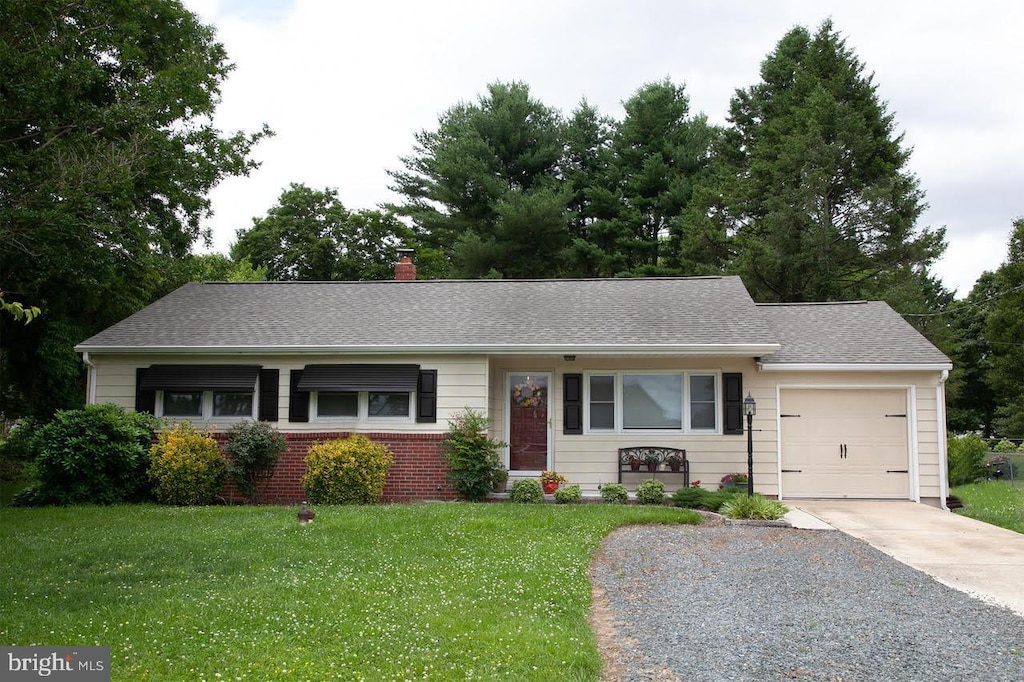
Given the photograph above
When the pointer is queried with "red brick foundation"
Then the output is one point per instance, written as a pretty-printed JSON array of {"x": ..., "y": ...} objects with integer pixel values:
[{"x": 418, "y": 472}]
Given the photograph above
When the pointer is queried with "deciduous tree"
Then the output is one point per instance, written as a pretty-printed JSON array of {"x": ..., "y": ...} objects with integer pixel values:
[
  {"x": 310, "y": 235},
  {"x": 107, "y": 153}
]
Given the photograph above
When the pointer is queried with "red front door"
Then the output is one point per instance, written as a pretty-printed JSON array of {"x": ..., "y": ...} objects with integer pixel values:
[{"x": 529, "y": 403}]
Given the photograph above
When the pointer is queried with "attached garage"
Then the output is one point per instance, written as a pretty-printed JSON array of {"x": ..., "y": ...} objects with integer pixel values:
[
  {"x": 845, "y": 443},
  {"x": 860, "y": 398}
]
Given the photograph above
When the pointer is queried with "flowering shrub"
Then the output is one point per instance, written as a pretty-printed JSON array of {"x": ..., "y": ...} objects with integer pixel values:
[
  {"x": 346, "y": 471},
  {"x": 1005, "y": 446},
  {"x": 695, "y": 484},
  {"x": 552, "y": 477},
  {"x": 526, "y": 491},
  {"x": 570, "y": 494},
  {"x": 650, "y": 491},
  {"x": 734, "y": 479},
  {"x": 186, "y": 466},
  {"x": 614, "y": 493}
]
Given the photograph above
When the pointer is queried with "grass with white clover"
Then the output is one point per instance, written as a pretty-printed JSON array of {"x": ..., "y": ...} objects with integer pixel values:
[
  {"x": 997, "y": 502},
  {"x": 428, "y": 591}
]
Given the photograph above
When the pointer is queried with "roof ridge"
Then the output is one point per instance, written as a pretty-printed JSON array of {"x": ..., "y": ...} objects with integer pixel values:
[
  {"x": 470, "y": 281},
  {"x": 816, "y": 303}
]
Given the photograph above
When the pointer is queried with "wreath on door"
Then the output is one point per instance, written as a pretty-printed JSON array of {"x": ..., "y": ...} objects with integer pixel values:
[{"x": 528, "y": 394}]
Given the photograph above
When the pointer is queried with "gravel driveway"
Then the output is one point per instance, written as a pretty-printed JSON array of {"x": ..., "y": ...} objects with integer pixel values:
[{"x": 739, "y": 602}]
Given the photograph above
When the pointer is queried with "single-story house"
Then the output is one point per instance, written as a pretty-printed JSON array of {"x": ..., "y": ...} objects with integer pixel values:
[{"x": 849, "y": 397}]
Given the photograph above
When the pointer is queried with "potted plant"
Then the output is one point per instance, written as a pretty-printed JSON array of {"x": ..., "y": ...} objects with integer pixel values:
[
  {"x": 734, "y": 480},
  {"x": 674, "y": 461},
  {"x": 634, "y": 463},
  {"x": 652, "y": 461},
  {"x": 549, "y": 480},
  {"x": 499, "y": 479}
]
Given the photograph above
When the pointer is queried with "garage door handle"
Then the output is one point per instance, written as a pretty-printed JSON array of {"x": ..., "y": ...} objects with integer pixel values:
[
  {"x": 897, "y": 471},
  {"x": 792, "y": 471}
]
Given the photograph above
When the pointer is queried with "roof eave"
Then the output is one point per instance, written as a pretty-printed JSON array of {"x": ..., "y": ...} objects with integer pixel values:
[
  {"x": 853, "y": 367},
  {"x": 727, "y": 349}
]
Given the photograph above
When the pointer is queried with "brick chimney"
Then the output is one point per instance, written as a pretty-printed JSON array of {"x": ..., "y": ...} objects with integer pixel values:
[{"x": 405, "y": 269}]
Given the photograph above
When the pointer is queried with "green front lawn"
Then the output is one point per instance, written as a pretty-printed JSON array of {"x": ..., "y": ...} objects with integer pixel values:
[
  {"x": 995, "y": 502},
  {"x": 427, "y": 591}
]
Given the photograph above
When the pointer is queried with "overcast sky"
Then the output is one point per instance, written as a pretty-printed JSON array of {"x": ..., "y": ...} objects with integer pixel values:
[{"x": 345, "y": 85}]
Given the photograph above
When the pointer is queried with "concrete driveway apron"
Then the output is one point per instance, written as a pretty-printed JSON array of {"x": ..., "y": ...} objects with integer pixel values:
[{"x": 980, "y": 559}]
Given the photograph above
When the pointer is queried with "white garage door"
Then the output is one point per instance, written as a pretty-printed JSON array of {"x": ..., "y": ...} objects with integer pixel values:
[{"x": 839, "y": 443}]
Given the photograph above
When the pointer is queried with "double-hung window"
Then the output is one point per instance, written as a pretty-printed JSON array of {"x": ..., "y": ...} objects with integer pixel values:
[
  {"x": 360, "y": 392},
  {"x": 625, "y": 401}
]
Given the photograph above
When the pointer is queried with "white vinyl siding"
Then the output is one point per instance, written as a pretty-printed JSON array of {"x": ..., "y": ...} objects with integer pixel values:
[{"x": 462, "y": 381}]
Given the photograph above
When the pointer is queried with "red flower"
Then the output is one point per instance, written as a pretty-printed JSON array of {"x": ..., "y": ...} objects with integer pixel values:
[{"x": 695, "y": 484}]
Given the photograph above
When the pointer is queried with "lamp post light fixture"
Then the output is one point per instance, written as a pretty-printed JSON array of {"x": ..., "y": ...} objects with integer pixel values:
[{"x": 750, "y": 409}]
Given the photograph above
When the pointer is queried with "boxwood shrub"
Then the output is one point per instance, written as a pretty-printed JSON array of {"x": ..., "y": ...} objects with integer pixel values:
[
  {"x": 568, "y": 494},
  {"x": 526, "y": 491}
]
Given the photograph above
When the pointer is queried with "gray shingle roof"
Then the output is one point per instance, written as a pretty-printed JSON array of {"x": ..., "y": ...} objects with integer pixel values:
[
  {"x": 859, "y": 332},
  {"x": 448, "y": 314}
]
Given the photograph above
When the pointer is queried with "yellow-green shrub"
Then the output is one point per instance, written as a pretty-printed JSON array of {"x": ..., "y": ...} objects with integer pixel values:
[
  {"x": 346, "y": 471},
  {"x": 186, "y": 466}
]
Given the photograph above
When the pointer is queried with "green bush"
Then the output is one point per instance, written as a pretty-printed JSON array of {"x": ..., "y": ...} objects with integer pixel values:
[
  {"x": 693, "y": 497},
  {"x": 96, "y": 455},
  {"x": 700, "y": 498},
  {"x": 526, "y": 491},
  {"x": 614, "y": 493},
  {"x": 346, "y": 471},
  {"x": 472, "y": 457},
  {"x": 651, "y": 491},
  {"x": 254, "y": 449},
  {"x": 569, "y": 494},
  {"x": 186, "y": 466},
  {"x": 1005, "y": 446},
  {"x": 754, "y": 507},
  {"x": 966, "y": 456},
  {"x": 18, "y": 447}
]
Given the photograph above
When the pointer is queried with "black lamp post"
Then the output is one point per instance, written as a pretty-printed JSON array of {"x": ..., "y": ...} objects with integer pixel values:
[{"x": 750, "y": 409}]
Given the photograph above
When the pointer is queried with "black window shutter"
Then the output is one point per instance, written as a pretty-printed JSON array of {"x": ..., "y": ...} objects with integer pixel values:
[
  {"x": 572, "y": 404},
  {"x": 298, "y": 401},
  {"x": 426, "y": 397},
  {"x": 269, "y": 392},
  {"x": 145, "y": 401},
  {"x": 733, "y": 388}
]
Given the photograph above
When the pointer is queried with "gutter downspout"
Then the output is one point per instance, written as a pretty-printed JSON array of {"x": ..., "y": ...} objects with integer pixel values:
[
  {"x": 90, "y": 379},
  {"x": 940, "y": 404}
]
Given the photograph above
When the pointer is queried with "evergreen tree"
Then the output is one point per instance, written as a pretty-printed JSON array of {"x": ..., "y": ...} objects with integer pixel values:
[
  {"x": 489, "y": 167},
  {"x": 1005, "y": 331},
  {"x": 811, "y": 198}
]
